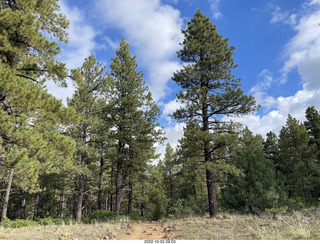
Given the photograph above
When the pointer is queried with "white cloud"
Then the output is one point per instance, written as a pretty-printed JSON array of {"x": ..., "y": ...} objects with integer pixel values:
[
  {"x": 314, "y": 2},
  {"x": 215, "y": 8},
  {"x": 153, "y": 29},
  {"x": 81, "y": 45},
  {"x": 301, "y": 53},
  {"x": 274, "y": 120},
  {"x": 160, "y": 73},
  {"x": 281, "y": 16},
  {"x": 81, "y": 37},
  {"x": 264, "y": 82},
  {"x": 173, "y": 134},
  {"x": 113, "y": 44},
  {"x": 171, "y": 107}
]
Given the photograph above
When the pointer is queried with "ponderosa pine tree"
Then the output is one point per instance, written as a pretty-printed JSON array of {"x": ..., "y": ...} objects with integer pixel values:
[
  {"x": 91, "y": 81},
  {"x": 133, "y": 115},
  {"x": 298, "y": 161},
  {"x": 169, "y": 167},
  {"x": 210, "y": 89},
  {"x": 272, "y": 151},
  {"x": 250, "y": 190},
  {"x": 26, "y": 109},
  {"x": 313, "y": 127}
]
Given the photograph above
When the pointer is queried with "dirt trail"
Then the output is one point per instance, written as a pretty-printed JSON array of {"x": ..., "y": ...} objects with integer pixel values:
[{"x": 149, "y": 231}]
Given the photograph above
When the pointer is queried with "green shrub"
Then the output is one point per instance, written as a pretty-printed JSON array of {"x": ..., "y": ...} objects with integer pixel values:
[
  {"x": 100, "y": 216},
  {"x": 296, "y": 204},
  {"x": 68, "y": 221},
  {"x": 181, "y": 209},
  {"x": 137, "y": 217},
  {"x": 7, "y": 223},
  {"x": 49, "y": 221}
]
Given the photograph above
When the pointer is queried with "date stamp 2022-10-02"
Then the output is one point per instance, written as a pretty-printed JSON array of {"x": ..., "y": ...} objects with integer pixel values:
[{"x": 159, "y": 241}]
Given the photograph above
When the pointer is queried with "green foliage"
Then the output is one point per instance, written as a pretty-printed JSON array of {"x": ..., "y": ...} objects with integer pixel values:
[
  {"x": 157, "y": 200},
  {"x": 100, "y": 216},
  {"x": 49, "y": 221},
  {"x": 18, "y": 223},
  {"x": 7, "y": 223},
  {"x": 252, "y": 190},
  {"x": 209, "y": 91},
  {"x": 298, "y": 161},
  {"x": 31, "y": 120},
  {"x": 277, "y": 210},
  {"x": 313, "y": 126},
  {"x": 137, "y": 217},
  {"x": 182, "y": 209},
  {"x": 133, "y": 115}
]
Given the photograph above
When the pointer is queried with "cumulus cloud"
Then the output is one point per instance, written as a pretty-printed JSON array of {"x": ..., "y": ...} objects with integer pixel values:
[
  {"x": 153, "y": 29},
  {"x": 160, "y": 73},
  {"x": 275, "y": 119},
  {"x": 81, "y": 37},
  {"x": 264, "y": 81},
  {"x": 215, "y": 8},
  {"x": 81, "y": 45},
  {"x": 113, "y": 44},
  {"x": 281, "y": 16},
  {"x": 171, "y": 107},
  {"x": 302, "y": 51},
  {"x": 173, "y": 134},
  {"x": 302, "y": 54}
]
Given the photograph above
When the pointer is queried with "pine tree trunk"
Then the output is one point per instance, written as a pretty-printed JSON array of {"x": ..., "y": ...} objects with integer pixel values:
[
  {"x": 212, "y": 197},
  {"x": 171, "y": 187},
  {"x": 194, "y": 187},
  {"x": 109, "y": 202},
  {"x": 130, "y": 202},
  {"x": 119, "y": 176},
  {"x": 6, "y": 198},
  {"x": 142, "y": 204},
  {"x": 119, "y": 188},
  {"x": 62, "y": 205},
  {"x": 80, "y": 199},
  {"x": 100, "y": 184},
  {"x": 23, "y": 208},
  {"x": 36, "y": 206}
]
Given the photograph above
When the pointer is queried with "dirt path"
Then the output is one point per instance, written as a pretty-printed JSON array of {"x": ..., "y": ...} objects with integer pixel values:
[{"x": 149, "y": 231}]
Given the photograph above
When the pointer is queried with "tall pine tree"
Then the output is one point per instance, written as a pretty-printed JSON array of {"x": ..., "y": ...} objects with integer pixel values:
[
  {"x": 298, "y": 161},
  {"x": 31, "y": 119},
  {"x": 90, "y": 82},
  {"x": 210, "y": 89},
  {"x": 133, "y": 116}
]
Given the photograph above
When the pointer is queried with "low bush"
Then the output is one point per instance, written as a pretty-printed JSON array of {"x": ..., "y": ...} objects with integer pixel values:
[
  {"x": 137, "y": 217},
  {"x": 100, "y": 216},
  {"x": 18, "y": 223},
  {"x": 7, "y": 223},
  {"x": 49, "y": 221}
]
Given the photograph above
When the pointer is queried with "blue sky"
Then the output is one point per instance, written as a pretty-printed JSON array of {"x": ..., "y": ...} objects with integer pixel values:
[{"x": 277, "y": 49}]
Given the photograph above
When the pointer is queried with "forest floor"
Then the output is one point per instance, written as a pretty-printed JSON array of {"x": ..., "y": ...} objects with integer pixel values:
[
  {"x": 149, "y": 231},
  {"x": 99, "y": 231},
  {"x": 302, "y": 225}
]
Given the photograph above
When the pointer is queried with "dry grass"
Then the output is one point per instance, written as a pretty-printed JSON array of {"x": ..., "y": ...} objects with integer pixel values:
[
  {"x": 295, "y": 226},
  {"x": 67, "y": 232}
]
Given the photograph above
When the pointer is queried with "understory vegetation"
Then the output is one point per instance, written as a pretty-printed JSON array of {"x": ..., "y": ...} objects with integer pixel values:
[{"x": 297, "y": 225}]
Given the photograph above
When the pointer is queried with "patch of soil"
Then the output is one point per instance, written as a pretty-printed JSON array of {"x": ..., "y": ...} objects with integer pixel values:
[{"x": 149, "y": 231}]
